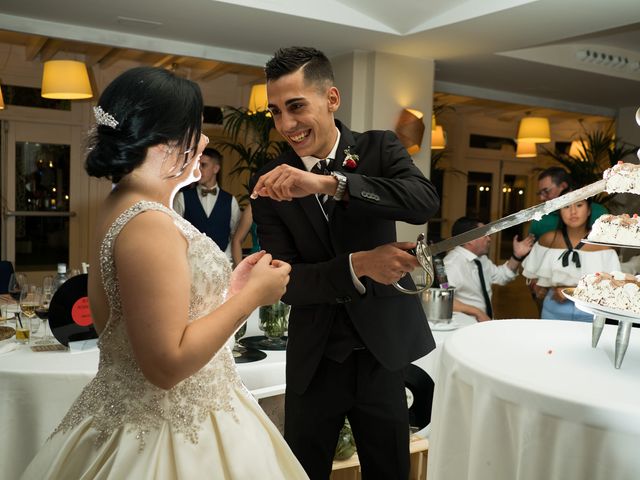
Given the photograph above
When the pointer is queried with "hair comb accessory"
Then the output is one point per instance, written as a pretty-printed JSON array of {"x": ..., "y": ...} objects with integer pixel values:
[{"x": 104, "y": 118}]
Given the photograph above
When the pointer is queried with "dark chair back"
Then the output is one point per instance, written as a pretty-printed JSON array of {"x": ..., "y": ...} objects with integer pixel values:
[{"x": 6, "y": 269}]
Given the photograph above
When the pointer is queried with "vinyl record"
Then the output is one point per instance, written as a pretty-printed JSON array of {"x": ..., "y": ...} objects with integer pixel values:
[
  {"x": 263, "y": 343},
  {"x": 249, "y": 355},
  {"x": 419, "y": 388},
  {"x": 69, "y": 314}
]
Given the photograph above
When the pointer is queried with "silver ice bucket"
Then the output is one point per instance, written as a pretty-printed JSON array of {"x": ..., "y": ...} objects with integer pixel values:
[{"x": 438, "y": 304}]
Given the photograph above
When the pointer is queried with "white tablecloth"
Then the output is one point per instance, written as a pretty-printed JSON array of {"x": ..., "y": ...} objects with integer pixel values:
[
  {"x": 530, "y": 399},
  {"x": 37, "y": 389}
]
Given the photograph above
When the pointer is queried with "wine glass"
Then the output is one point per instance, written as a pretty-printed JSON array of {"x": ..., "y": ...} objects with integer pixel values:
[
  {"x": 42, "y": 310},
  {"x": 238, "y": 348},
  {"x": 16, "y": 283}
]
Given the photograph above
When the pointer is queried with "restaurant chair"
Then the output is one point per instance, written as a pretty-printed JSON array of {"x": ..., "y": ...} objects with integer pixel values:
[{"x": 6, "y": 269}]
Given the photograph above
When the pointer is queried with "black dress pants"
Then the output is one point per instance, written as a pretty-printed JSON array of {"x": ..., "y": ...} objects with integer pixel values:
[{"x": 374, "y": 401}]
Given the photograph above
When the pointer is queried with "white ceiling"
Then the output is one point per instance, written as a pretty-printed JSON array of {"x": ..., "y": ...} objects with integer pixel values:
[{"x": 524, "y": 51}]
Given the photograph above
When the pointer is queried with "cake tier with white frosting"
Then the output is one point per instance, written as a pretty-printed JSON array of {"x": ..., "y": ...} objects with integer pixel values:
[
  {"x": 615, "y": 290},
  {"x": 621, "y": 229}
]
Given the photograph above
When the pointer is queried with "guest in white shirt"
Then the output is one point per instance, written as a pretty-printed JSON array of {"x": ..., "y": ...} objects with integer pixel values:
[
  {"x": 210, "y": 209},
  {"x": 472, "y": 273}
]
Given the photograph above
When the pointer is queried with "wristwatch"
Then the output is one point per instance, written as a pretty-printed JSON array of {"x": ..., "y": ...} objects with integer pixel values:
[{"x": 342, "y": 185}]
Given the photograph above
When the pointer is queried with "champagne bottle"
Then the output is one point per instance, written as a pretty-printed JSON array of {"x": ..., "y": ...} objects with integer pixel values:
[{"x": 441, "y": 274}]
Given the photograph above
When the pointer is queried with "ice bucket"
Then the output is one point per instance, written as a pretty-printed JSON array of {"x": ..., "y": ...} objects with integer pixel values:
[{"x": 438, "y": 304}]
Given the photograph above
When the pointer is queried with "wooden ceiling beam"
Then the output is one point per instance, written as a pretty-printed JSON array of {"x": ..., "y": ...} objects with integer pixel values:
[
  {"x": 164, "y": 61},
  {"x": 97, "y": 55},
  {"x": 33, "y": 47},
  {"x": 50, "y": 48},
  {"x": 110, "y": 58}
]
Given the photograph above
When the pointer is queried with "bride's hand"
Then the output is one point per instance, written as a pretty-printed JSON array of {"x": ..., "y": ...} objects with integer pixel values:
[{"x": 242, "y": 272}]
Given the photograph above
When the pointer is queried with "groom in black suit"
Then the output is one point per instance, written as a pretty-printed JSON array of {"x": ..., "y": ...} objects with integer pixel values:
[{"x": 329, "y": 208}]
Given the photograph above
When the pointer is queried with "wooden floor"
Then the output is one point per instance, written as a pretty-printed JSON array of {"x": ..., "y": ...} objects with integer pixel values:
[{"x": 513, "y": 300}]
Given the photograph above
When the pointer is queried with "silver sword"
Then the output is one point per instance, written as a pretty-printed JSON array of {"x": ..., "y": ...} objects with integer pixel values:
[{"x": 425, "y": 252}]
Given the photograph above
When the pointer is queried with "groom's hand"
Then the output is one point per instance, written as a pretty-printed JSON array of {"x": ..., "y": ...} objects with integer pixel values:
[
  {"x": 385, "y": 264},
  {"x": 286, "y": 183}
]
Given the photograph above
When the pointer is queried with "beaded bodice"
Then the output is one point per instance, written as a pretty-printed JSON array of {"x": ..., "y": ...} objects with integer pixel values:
[{"x": 120, "y": 395}]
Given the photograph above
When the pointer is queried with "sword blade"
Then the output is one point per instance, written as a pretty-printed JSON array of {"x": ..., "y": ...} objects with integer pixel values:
[{"x": 532, "y": 213}]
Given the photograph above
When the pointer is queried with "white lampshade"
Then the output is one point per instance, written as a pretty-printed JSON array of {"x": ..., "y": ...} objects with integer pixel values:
[
  {"x": 65, "y": 80},
  {"x": 526, "y": 150},
  {"x": 438, "y": 138},
  {"x": 534, "y": 129},
  {"x": 258, "y": 99}
]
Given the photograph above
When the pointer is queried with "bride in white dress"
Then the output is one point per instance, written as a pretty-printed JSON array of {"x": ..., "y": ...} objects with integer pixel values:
[{"x": 167, "y": 401}]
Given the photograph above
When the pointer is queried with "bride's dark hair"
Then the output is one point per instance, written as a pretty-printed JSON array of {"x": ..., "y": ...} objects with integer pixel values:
[{"x": 152, "y": 106}]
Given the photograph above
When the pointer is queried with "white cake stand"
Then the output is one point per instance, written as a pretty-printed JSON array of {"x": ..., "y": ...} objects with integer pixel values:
[{"x": 600, "y": 314}]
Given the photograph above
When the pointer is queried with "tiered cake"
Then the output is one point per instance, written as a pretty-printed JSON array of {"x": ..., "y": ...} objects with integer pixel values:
[
  {"x": 615, "y": 290},
  {"x": 620, "y": 229}
]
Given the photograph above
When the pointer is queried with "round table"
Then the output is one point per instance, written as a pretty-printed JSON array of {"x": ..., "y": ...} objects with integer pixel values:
[
  {"x": 37, "y": 389},
  {"x": 530, "y": 399}
]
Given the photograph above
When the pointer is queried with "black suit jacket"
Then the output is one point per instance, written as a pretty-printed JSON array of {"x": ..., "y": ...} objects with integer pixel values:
[{"x": 384, "y": 187}]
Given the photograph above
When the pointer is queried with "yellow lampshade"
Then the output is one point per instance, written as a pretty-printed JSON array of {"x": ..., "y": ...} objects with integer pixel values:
[
  {"x": 578, "y": 148},
  {"x": 534, "y": 129},
  {"x": 258, "y": 99},
  {"x": 65, "y": 80},
  {"x": 410, "y": 129},
  {"x": 438, "y": 138},
  {"x": 526, "y": 150},
  {"x": 1, "y": 100},
  {"x": 433, "y": 122}
]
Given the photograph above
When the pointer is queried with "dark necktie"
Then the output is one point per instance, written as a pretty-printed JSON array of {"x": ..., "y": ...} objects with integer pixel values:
[
  {"x": 483, "y": 284},
  {"x": 322, "y": 168},
  {"x": 208, "y": 191}
]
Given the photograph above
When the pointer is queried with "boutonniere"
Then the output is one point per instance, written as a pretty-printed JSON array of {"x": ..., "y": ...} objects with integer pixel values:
[{"x": 350, "y": 159}]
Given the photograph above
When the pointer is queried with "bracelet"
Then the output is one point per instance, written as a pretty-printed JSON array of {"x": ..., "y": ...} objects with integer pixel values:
[
  {"x": 518, "y": 259},
  {"x": 342, "y": 185}
]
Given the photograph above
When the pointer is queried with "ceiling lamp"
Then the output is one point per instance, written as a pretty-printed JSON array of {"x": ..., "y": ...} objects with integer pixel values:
[
  {"x": 534, "y": 129},
  {"x": 258, "y": 99},
  {"x": 65, "y": 80},
  {"x": 1, "y": 100},
  {"x": 578, "y": 148},
  {"x": 410, "y": 129},
  {"x": 526, "y": 150},
  {"x": 438, "y": 138}
]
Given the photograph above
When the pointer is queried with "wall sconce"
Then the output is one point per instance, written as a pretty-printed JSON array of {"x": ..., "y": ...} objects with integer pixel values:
[
  {"x": 578, "y": 148},
  {"x": 410, "y": 129},
  {"x": 65, "y": 80},
  {"x": 438, "y": 138},
  {"x": 258, "y": 99},
  {"x": 1, "y": 99},
  {"x": 526, "y": 150},
  {"x": 534, "y": 129}
]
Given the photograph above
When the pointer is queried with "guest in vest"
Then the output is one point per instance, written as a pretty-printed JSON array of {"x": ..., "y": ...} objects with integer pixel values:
[
  {"x": 209, "y": 208},
  {"x": 472, "y": 273}
]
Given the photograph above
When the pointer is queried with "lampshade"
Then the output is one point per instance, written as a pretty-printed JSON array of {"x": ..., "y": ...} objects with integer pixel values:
[
  {"x": 258, "y": 98},
  {"x": 1, "y": 99},
  {"x": 438, "y": 138},
  {"x": 410, "y": 129},
  {"x": 526, "y": 150},
  {"x": 433, "y": 122},
  {"x": 578, "y": 148},
  {"x": 534, "y": 129},
  {"x": 65, "y": 80}
]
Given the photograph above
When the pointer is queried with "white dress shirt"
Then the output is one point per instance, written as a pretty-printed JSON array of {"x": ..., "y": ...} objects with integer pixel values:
[
  {"x": 462, "y": 273},
  {"x": 208, "y": 202},
  {"x": 309, "y": 163}
]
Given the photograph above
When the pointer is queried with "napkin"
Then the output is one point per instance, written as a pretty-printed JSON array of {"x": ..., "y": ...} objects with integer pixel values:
[
  {"x": 83, "y": 346},
  {"x": 7, "y": 347}
]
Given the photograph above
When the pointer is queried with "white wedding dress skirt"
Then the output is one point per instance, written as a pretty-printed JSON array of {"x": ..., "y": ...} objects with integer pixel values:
[{"x": 123, "y": 427}]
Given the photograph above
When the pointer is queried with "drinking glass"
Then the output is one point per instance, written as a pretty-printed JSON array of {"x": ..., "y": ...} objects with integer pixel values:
[
  {"x": 29, "y": 300},
  {"x": 42, "y": 312},
  {"x": 238, "y": 348},
  {"x": 274, "y": 322}
]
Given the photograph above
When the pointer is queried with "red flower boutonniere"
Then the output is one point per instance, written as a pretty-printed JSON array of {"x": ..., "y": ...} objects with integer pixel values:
[{"x": 350, "y": 160}]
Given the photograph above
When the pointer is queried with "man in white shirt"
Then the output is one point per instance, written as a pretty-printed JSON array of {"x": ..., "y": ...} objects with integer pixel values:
[
  {"x": 210, "y": 209},
  {"x": 472, "y": 273}
]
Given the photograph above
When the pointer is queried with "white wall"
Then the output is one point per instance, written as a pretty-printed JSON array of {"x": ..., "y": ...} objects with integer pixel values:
[{"x": 375, "y": 87}]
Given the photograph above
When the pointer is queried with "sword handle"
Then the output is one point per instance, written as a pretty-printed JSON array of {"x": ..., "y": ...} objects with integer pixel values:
[{"x": 423, "y": 254}]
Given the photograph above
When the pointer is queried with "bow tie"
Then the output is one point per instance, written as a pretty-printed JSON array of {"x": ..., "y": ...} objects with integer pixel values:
[
  {"x": 209, "y": 191},
  {"x": 575, "y": 258}
]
